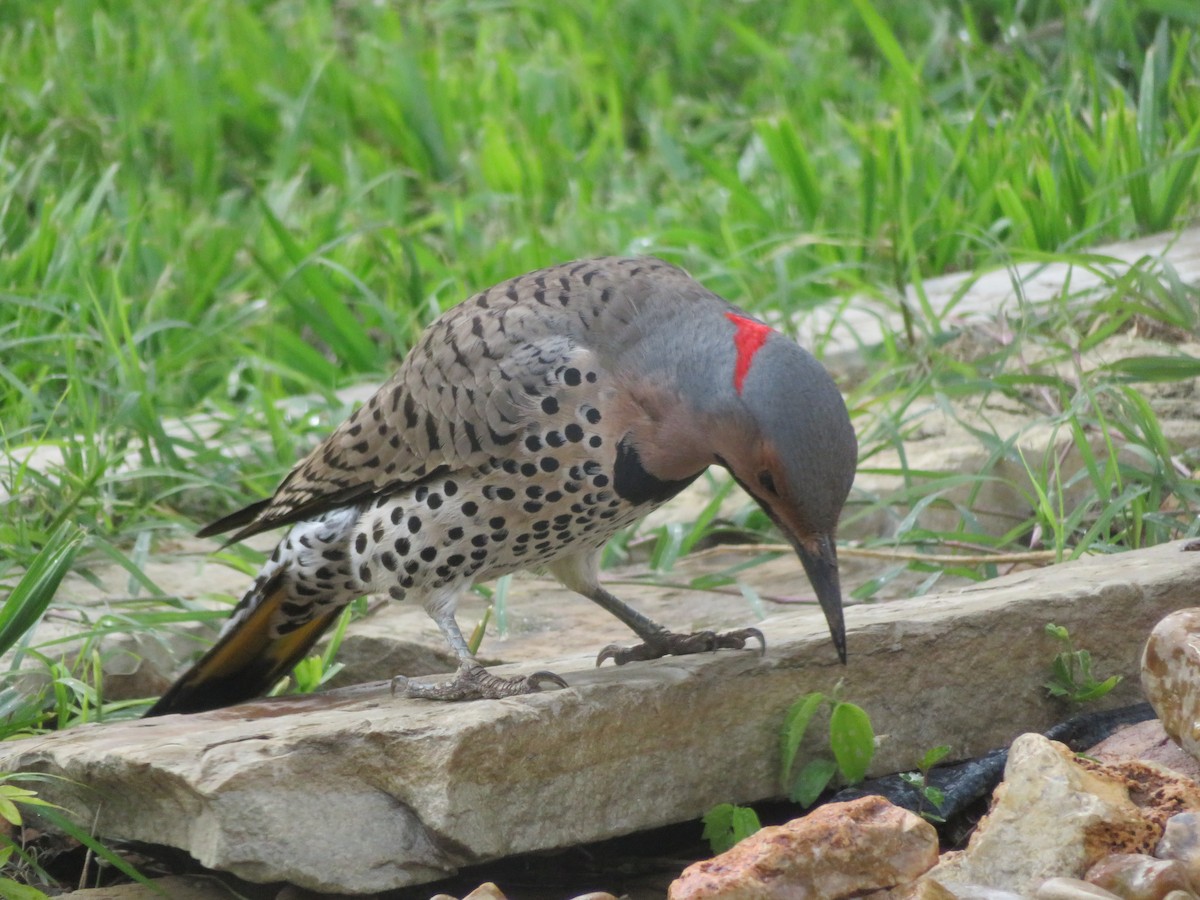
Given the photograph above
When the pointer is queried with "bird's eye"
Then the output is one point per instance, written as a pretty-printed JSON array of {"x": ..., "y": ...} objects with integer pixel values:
[{"x": 768, "y": 483}]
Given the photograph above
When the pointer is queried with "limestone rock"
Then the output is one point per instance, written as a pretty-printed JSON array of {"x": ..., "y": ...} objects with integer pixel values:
[
  {"x": 1171, "y": 676},
  {"x": 486, "y": 891},
  {"x": 838, "y": 850},
  {"x": 1136, "y": 876},
  {"x": 1146, "y": 741},
  {"x": 176, "y": 887},
  {"x": 420, "y": 789},
  {"x": 1051, "y": 817},
  {"x": 960, "y": 891},
  {"x": 1181, "y": 842},
  {"x": 1071, "y": 889}
]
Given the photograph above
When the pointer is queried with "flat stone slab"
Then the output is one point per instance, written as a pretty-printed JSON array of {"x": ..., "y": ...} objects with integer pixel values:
[{"x": 357, "y": 791}]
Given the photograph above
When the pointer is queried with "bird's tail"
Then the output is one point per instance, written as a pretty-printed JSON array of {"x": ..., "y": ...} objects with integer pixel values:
[{"x": 247, "y": 660}]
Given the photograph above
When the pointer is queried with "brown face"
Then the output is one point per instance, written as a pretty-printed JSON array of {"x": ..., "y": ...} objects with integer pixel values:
[{"x": 765, "y": 480}]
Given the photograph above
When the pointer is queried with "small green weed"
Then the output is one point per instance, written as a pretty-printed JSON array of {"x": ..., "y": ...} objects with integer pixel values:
[
  {"x": 1072, "y": 677},
  {"x": 919, "y": 779},
  {"x": 851, "y": 742},
  {"x": 726, "y": 824}
]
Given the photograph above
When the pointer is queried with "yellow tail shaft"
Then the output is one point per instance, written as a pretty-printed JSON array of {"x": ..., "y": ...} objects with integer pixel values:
[{"x": 247, "y": 661}]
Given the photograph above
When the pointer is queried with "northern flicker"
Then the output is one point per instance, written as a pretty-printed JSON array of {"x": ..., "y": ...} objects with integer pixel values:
[{"x": 527, "y": 426}]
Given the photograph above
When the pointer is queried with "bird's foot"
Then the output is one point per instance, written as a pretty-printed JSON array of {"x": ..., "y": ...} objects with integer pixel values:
[
  {"x": 475, "y": 683},
  {"x": 670, "y": 644}
]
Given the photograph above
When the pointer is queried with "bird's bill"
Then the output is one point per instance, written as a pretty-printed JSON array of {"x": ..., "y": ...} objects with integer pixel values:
[{"x": 819, "y": 556}]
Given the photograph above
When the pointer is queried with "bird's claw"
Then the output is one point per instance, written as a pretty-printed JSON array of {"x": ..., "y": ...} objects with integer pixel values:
[
  {"x": 476, "y": 683},
  {"x": 671, "y": 644}
]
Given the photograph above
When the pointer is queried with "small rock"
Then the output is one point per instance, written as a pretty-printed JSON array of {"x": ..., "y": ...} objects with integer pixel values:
[
  {"x": 1052, "y": 816},
  {"x": 1072, "y": 889},
  {"x": 1146, "y": 741},
  {"x": 486, "y": 891},
  {"x": 1135, "y": 876},
  {"x": 960, "y": 891},
  {"x": 838, "y": 850},
  {"x": 1181, "y": 842},
  {"x": 921, "y": 889},
  {"x": 595, "y": 895},
  {"x": 1170, "y": 674}
]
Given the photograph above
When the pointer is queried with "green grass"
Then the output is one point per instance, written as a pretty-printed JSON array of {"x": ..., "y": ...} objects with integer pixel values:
[{"x": 210, "y": 207}]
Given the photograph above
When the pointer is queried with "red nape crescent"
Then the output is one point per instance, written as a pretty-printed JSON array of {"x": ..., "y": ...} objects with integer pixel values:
[{"x": 749, "y": 339}]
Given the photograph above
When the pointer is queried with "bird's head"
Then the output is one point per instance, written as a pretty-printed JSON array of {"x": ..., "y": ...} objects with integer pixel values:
[
  {"x": 717, "y": 386},
  {"x": 793, "y": 450}
]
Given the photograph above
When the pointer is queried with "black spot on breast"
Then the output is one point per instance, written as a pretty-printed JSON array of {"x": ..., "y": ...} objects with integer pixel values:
[{"x": 636, "y": 485}]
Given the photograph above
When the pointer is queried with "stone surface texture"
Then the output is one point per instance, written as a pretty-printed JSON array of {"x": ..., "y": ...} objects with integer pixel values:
[
  {"x": 838, "y": 850},
  {"x": 1071, "y": 889},
  {"x": 1138, "y": 876},
  {"x": 1057, "y": 816},
  {"x": 1171, "y": 676},
  {"x": 1146, "y": 741},
  {"x": 1181, "y": 842},
  {"x": 420, "y": 789}
]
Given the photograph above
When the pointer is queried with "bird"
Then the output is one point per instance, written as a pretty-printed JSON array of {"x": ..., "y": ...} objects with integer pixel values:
[{"x": 527, "y": 425}]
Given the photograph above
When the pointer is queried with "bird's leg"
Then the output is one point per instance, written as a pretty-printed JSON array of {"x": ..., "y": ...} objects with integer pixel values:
[
  {"x": 472, "y": 681},
  {"x": 657, "y": 641}
]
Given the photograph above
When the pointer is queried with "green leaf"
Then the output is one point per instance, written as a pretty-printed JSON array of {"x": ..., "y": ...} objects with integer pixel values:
[
  {"x": 13, "y": 890},
  {"x": 33, "y": 593},
  {"x": 726, "y": 824},
  {"x": 1156, "y": 368},
  {"x": 795, "y": 723},
  {"x": 812, "y": 779},
  {"x": 9, "y": 811},
  {"x": 852, "y": 740},
  {"x": 932, "y": 757},
  {"x": 1058, "y": 632}
]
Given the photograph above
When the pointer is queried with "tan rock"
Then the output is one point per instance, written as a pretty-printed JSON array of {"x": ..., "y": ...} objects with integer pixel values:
[
  {"x": 1181, "y": 842},
  {"x": 1171, "y": 676},
  {"x": 1051, "y": 817},
  {"x": 961, "y": 891},
  {"x": 1135, "y": 876},
  {"x": 921, "y": 889},
  {"x": 838, "y": 850},
  {"x": 486, "y": 891},
  {"x": 176, "y": 887},
  {"x": 1071, "y": 889},
  {"x": 1146, "y": 741}
]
